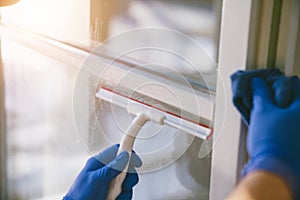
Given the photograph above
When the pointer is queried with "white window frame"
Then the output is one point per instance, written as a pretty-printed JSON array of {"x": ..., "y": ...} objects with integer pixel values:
[
  {"x": 254, "y": 34},
  {"x": 228, "y": 153}
]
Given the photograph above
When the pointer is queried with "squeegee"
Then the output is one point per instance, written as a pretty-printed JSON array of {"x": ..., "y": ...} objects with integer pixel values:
[{"x": 145, "y": 111}]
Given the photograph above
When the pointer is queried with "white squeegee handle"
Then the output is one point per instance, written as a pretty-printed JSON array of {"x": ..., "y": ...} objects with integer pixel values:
[{"x": 115, "y": 187}]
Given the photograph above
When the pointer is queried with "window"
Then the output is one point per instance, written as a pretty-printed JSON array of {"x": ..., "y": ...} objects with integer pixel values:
[{"x": 44, "y": 46}]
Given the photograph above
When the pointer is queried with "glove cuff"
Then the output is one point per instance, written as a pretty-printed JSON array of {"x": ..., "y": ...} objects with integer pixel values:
[{"x": 275, "y": 166}]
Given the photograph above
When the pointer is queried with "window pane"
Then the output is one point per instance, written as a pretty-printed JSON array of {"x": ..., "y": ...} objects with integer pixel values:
[
  {"x": 44, "y": 154},
  {"x": 193, "y": 29},
  {"x": 46, "y": 147},
  {"x": 91, "y": 22}
]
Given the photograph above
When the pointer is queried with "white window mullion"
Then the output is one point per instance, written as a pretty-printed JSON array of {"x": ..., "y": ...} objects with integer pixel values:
[{"x": 228, "y": 149}]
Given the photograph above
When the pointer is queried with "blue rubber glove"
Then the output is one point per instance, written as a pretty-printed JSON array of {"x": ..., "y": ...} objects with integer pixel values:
[
  {"x": 93, "y": 181},
  {"x": 242, "y": 93},
  {"x": 274, "y": 135}
]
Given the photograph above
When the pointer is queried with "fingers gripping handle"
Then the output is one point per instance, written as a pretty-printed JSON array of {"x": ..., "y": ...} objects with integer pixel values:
[{"x": 115, "y": 187}]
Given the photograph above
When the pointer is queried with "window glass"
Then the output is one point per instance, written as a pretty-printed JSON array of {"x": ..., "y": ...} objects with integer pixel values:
[
  {"x": 91, "y": 22},
  {"x": 45, "y": 147},
  {"x": 183, "y": 30},
  {"x": 44, "y": 154}
]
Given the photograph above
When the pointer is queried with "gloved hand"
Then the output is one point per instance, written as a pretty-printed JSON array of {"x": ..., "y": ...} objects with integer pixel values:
[
  {"x": 92, "y": 183},
  {"x": 274, "y": 135},
  {"x": 242, "y": 93}
]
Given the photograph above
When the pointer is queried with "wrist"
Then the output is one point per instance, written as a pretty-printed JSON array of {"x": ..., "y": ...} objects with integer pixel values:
[
  {"x": 261, "y": 185},
  {"x": 276, "y": 166}
]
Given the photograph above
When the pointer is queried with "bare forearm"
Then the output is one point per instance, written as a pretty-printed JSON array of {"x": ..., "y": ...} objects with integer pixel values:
[{"x": 261, "y": 185}]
